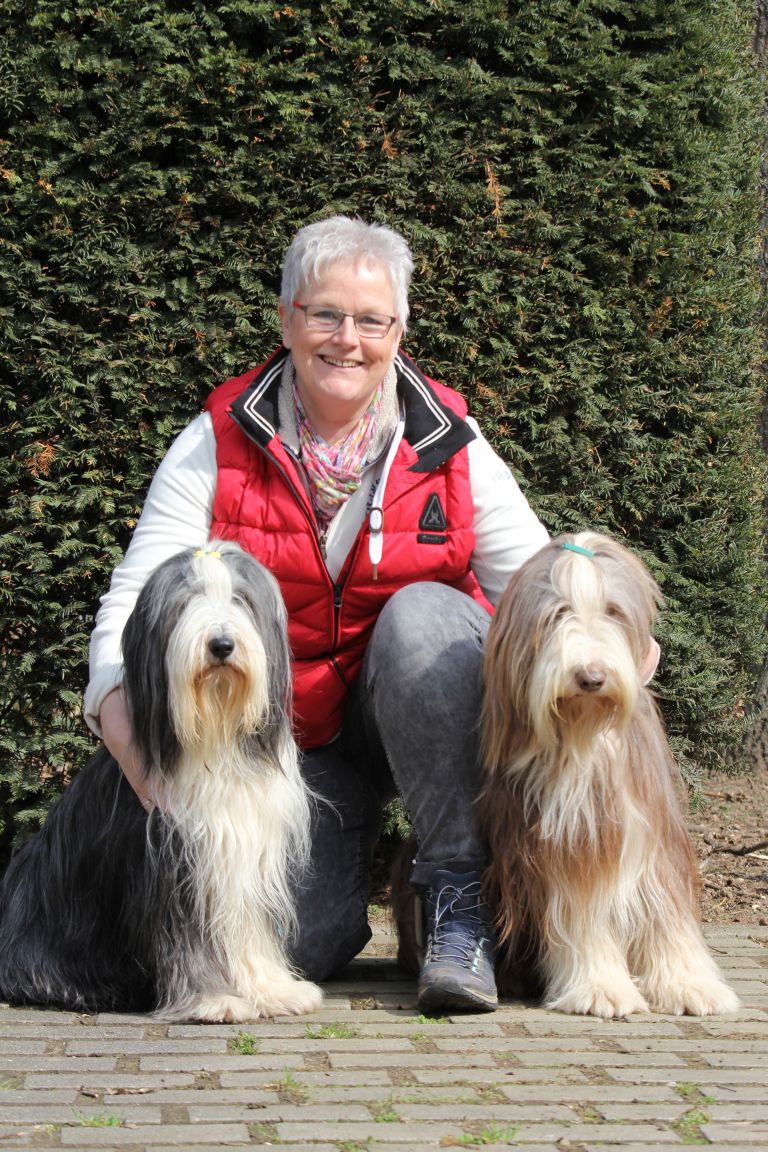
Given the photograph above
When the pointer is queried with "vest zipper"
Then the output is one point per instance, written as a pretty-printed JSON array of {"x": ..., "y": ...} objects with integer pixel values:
[{"x": 338, "y": 589}]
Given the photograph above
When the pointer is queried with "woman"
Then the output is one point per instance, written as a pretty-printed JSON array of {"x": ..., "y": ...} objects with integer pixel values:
[{"x": 392, "y": 527}]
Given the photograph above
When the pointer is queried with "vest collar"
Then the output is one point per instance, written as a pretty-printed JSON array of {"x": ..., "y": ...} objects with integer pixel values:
[{"x": 434, "y": 431}]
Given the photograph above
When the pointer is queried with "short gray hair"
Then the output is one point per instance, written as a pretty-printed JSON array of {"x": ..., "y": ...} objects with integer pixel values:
[{"x": 342, "y": 239}]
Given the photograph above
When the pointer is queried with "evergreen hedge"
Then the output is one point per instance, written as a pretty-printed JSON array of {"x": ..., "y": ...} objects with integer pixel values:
[{"x": 577, "y": 179}]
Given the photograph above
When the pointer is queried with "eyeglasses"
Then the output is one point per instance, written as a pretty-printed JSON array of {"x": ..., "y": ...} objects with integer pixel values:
[{"x": 372, "y": 325}]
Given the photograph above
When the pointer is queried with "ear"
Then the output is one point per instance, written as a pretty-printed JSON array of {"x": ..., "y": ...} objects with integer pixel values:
[{"x": 285, "y": 320}]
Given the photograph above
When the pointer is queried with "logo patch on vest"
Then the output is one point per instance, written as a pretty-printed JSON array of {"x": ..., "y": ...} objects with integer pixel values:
[
  {"x": 433, "y": 516},
  {"x": 432, "y": 522}
]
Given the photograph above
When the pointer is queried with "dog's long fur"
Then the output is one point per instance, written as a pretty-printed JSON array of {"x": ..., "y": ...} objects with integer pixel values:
[
  {"x": 187, "y": 911},
  {"x": 591, "y": 869}
]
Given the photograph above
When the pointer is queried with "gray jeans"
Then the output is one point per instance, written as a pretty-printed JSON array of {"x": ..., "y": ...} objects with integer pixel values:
[{"x": 411, "y": 727}]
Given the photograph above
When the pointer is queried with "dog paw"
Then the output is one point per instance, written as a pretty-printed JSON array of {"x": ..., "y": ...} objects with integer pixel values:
[
  {"x": 289, "y": 998},
  {"x": 224, "y": 1009},
  {"x": 593, "y": 1000},
  {"x": 691, "y": 998}
]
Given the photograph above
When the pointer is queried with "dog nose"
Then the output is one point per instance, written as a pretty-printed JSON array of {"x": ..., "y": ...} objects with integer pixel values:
[
  {"x": 220, "y": 647},
  {"x": 590, "y": 678}
]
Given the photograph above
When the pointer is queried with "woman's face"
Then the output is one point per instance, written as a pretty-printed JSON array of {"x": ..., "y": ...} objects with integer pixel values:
[{"x": 338, "y": 372}]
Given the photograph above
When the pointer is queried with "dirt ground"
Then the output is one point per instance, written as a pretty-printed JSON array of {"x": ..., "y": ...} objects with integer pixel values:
[{"x": 730, "y": 834}]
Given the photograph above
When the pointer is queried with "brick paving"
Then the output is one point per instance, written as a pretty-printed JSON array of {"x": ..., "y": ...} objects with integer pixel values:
[{"x": 369, "y": 1073}]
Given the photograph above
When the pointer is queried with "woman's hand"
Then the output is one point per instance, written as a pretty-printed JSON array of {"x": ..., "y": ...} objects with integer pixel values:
[{"x": 118, "y": 737}]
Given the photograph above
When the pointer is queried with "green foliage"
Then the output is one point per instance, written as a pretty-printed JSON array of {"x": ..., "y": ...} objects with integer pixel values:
[
  {"x": 332, "y": 1031},
  {"x": 577, "y": 179},
  {"x": 244, "y": 1044}
]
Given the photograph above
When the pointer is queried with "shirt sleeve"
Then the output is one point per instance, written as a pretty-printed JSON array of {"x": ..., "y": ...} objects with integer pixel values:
[
  {"x": 507, "y": 531},
  {"x": 176, "y": 515}
]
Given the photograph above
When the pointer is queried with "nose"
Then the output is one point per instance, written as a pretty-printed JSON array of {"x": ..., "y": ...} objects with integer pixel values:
[
  {"x": 590, "y": 678},
  {"x": 346, "y": 332},
  {"x": 220, "y": 647}
]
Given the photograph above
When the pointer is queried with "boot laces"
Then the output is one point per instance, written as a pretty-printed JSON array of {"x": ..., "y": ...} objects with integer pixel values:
[{"x": 459, "y": 925}]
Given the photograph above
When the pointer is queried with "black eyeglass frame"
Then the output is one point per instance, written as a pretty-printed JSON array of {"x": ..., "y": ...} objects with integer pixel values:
[{"x": 342, "y": 317}]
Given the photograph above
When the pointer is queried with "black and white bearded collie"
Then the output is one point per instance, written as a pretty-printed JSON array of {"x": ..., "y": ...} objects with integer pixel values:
[{"x": 186, "y": 911}]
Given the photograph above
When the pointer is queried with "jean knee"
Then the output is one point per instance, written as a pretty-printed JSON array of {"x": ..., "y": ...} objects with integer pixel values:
[{"x": 423, "y": 620}]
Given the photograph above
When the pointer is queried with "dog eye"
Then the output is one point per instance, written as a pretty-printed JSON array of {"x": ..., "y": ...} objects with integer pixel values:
[{"x": 616, "y": 613}]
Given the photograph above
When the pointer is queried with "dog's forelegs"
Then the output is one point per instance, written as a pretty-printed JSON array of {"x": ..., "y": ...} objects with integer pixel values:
[
  {"x": 293, "y": 998},
  {"x": 284, "y": 998},
  {"x": 676, "y": 971},
  {"x": 215, "y": 1009},
  {"x": 262, "y": 976},
  {"x": 586, "y": 973},
  {"x": 237, "y": 990}
]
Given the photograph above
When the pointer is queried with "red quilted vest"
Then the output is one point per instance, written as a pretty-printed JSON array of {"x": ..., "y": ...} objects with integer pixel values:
[{"x": 261, "y": 501}]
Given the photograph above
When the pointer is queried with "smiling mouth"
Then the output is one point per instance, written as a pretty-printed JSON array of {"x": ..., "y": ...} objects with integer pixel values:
[{"x": 340, "y": 363}]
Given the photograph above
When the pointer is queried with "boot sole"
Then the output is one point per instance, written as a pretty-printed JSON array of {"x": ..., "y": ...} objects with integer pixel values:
[{"x": 434, "y": 1000}]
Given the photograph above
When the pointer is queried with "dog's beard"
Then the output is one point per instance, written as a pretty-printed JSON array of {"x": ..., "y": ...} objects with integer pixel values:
[
  {"x": 568, "y": 763},
  {"x": 566, "y": 718},
  {"x": 228, "y": 701},
  {"x": 577, "y": 722},
  {"x": 216, "y": 705}
]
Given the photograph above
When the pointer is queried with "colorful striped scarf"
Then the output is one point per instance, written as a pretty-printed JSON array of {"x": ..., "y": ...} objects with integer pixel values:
[{"x": 334, "y": 470}]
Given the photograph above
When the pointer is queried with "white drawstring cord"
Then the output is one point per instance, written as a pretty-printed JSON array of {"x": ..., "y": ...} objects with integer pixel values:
[{"x": 376, "y": 514}]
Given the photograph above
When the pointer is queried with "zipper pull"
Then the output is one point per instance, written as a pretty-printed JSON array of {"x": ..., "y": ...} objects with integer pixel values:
[{"x": 375, "y": 539}]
